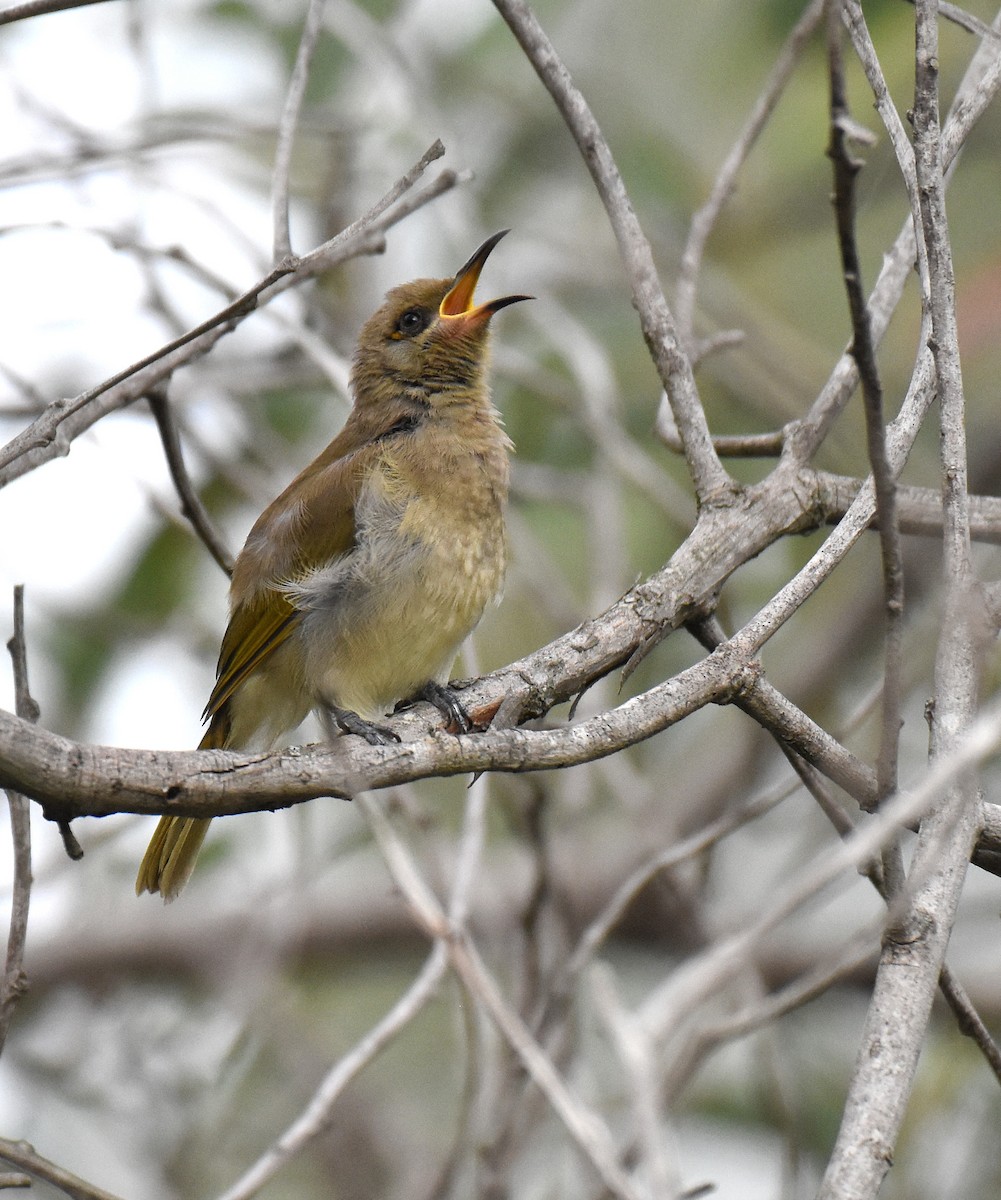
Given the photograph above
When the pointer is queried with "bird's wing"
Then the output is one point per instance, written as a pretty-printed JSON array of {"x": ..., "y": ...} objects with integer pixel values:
[
  {"x": 311, "y": 523},
  {"x": 255, "y": 630}
]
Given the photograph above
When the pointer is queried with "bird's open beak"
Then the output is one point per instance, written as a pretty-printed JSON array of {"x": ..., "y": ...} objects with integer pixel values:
[{"x": 458, "y": 300}]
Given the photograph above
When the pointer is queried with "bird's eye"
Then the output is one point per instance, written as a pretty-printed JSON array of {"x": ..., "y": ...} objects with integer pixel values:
[{"x": 413, "y": 321}]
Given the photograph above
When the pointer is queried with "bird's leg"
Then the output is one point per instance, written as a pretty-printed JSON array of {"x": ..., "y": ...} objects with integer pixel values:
[
  {"x": 346, "y": 721},
  {"x": 447, "y": 703}
]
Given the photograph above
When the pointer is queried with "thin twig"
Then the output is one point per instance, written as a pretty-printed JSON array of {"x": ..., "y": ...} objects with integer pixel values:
[
  {"x": 316, "y": 1116},
  {"x": 24, "y": 703},
  {"x": 23, "y": 1155},
  {"x": 704, "y": 220},
  {"x": 287, "y": 126},
  {"x": 833, "y": 810},
  {"x": 39, "y": 8},
  {"x": 716, "y": 343},
  {"x": 969, "y": 1020},
  {"x": 443, "y": 182},
  {"x": 604, "y": 923},
  {"x": 656, "y": 320},
  {"x": 15, "y": 981},
  {"x": 851, "y": 14},
  {"x": 372, "y": 220},
  {"x": 45, "y": 429},
  {"x": 72, "y": 847},
  {"x": 191, "y": 504},
  {"x": 846, "y": 169},
  {"x": 965, "y": 20},
  {"x": 860, "y": 949},
  {"x": 9, "y": 1180},
  {"x": 747, "y": 445}
]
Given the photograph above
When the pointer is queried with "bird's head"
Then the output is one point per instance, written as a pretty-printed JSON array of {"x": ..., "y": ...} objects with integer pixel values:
[{"x": 428, "y": 338}]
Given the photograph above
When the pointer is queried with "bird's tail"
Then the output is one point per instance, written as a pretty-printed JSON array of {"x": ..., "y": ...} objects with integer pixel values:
[{"x": 170, "y": 856}]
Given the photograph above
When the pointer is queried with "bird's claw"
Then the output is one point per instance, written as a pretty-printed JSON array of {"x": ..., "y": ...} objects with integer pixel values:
[
  {"x": 350, "y": 722},
  {"x": 445, "y": 700}
]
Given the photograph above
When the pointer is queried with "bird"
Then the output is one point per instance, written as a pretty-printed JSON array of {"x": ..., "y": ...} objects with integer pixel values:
[{"x": 357, "y": 586}]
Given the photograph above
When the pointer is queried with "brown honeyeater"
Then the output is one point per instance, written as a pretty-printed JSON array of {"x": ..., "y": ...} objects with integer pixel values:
[{"x": 357, "y": 586}]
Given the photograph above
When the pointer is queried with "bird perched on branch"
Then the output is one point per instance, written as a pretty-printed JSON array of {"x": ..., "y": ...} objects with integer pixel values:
[{"x": 357, "y": 586}]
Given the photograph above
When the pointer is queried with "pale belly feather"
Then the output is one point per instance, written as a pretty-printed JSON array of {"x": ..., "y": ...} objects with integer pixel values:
[{"x": 383, "y": 620}]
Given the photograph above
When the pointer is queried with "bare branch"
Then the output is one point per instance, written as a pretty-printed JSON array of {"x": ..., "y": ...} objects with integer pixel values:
[
  {"x": 722, "y": 539},
  {"x": 74, "y": 780}
]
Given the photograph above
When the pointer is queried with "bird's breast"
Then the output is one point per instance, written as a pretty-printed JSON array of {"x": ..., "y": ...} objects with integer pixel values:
[{"x": 429, "y": 556}]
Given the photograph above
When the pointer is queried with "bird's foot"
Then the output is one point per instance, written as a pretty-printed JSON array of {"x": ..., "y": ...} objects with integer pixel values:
[
  {"x": 446, "y": 701},
  {"x": 347, "y": 721}
]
